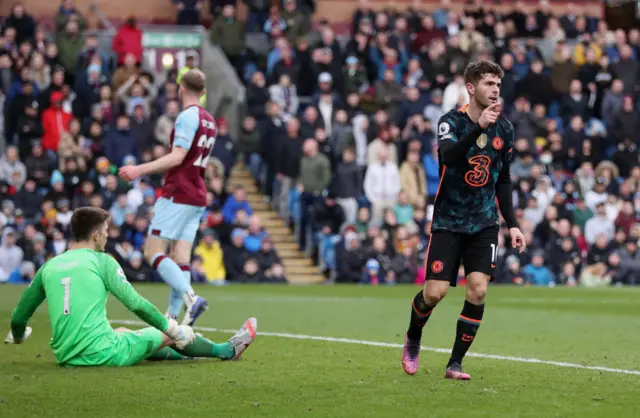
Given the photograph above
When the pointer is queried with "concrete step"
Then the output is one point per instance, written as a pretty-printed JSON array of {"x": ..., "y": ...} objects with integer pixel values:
[
  {"x": 266, "y": 215},
  {"x": 278, "y": 230},
  {"x": 270, "y": 222},
  {"x": 260, "y": 206},
  {"x": 301, "y": 270},
  {"x": 278, "y": 240},
  {"x": 239, "y": 172},
  {"x": 246, "y": 182},
  {"x": 255, "y": 198},
  {"x": 296, "y": 262},
  {"x": 286, "y": 246},
  {"x": 290, "y": 253},
  {"x": 301, "y": 279}
]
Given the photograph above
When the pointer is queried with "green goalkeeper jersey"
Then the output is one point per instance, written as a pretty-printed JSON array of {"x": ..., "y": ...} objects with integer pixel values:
[{"x": 76, "y": 285}]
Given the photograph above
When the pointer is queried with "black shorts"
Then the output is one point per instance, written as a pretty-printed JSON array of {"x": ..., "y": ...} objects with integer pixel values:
[{"x": 447, "y": 250}]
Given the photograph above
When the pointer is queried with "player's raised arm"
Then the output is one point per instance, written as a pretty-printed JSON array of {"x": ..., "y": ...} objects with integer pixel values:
[
  {"x": 117, "y": 284},
  {"x": 31, "y": 299},
  {"x": 453, "y": 150}
]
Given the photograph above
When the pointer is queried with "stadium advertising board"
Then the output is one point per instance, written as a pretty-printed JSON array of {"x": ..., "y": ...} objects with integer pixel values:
[{"x": 165, "y": 48}]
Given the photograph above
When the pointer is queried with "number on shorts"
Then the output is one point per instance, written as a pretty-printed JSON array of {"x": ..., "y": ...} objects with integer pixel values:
[
  {"x": 494, "y": 253},
  {"x": 206, "y": 143},
  {"x": 66, "y": 282}
]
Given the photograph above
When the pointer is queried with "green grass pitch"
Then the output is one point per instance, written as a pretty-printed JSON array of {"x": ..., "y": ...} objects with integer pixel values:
[{"x": 297, "y": 376}]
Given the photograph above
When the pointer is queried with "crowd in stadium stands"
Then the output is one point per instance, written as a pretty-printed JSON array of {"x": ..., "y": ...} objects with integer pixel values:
[
  {"x": 345, "y": 139},
  {"x": 339, "y": 134},
  {"x": 70, "y": 115}
]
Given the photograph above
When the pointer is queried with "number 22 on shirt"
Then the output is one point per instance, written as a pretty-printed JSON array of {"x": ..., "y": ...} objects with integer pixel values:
[{"x": 206, "y": 143}]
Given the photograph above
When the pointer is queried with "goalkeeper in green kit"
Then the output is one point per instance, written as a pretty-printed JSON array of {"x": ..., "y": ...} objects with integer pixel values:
[{"x": 76, "y": 284}]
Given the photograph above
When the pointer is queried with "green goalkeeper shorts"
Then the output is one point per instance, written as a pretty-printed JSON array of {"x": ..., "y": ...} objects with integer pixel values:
[{"x": 128, "y": 349}]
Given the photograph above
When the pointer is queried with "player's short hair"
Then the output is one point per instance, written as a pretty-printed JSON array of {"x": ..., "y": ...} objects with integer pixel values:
[
  {"x": 85, "y": 221},
  {"x": 478, "y": 69},
  {"x": 194, "y": 81}
]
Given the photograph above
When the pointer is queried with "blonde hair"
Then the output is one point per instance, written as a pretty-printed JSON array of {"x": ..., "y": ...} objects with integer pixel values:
[{"x": 194, "y": 81}]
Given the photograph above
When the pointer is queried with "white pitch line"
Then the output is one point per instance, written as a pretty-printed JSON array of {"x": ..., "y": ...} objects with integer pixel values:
[
  {"x": 293, "y": 299},
  {"x": 393, "y": 345}
]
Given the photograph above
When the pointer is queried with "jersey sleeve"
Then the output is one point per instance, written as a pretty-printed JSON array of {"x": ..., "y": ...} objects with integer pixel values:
[
  {"x": 117, "y": 284},
  {"x": 509, "y": 141},
  {"x": 446, "y": 131},
  {"x": 31, "y": 299},
  {"x": 186, "y": 127},
  {"x": 504, "y": 188}
]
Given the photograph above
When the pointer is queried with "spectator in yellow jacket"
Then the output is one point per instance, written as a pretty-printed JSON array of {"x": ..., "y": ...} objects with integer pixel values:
[
  {"x": 580, "y": 51},
  {"x": 212, "y": 262}
]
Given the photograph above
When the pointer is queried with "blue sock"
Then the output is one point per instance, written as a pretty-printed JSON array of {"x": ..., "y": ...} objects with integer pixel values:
[
  {"x": 175, "y": 298},
  {"x": 171, "y": 274},
  {"x": 186, "y": 272},
  {"x": 175, "y": 303}
]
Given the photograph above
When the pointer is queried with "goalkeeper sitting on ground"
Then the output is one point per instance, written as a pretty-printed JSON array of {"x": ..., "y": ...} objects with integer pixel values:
[{"x": 76, "y": 284}]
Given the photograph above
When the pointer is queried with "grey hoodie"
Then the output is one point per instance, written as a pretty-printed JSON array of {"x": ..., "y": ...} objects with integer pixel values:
[
  {"x": 611, "y": 105},
  {"x": 10, "y": 257}
]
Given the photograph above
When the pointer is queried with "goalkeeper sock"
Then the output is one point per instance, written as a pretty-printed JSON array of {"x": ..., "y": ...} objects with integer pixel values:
[
  {"x": 468, "y": 324},
  {"x": 202, "y": 347},
  {"x": 166, "y": 353},
  {"x": 420, "y": 313}
]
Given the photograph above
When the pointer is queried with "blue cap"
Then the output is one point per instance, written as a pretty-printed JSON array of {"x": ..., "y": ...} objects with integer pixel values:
[
  {"x": 373, "y": 264},
  {"x": 94, "y": 68},
  {"x": 129, "y": 159},
  {"x": 238, "y": 233},
  {"x": 56, "y": 177}
]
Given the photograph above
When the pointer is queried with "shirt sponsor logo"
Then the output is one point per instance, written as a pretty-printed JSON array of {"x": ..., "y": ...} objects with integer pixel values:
[{"x": 67, "y": 266}]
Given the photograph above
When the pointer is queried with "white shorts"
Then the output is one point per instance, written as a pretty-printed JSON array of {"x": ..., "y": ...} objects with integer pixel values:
[{"x": 175, "y": 221}]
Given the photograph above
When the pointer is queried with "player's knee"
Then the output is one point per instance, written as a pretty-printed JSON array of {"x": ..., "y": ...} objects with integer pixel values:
[
  {"x": 433, "y": 294},
  {"x": 153, "y": 246},
  {"x": 149, "y": 252},
  {"x": 122, "y": 329},
  {"x": 179, "y": 260},
  {"x": 477, "y": 288},
  {"x": 181, "y": 252}
]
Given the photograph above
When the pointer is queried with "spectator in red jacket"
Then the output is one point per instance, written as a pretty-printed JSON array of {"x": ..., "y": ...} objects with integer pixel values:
[
  {"x": 54, "y": 121},
  {"x": 128, "y": 40}
]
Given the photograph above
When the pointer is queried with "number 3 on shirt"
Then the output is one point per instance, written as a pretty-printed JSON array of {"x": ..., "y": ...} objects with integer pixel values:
[
  {"x": 479, "y": 174},
  {"x": 206, "y": 143},
  {"x": 66, "y": 282}
]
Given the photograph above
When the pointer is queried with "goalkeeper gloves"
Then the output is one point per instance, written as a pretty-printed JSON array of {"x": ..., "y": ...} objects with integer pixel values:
[
  {"x": 10, "y": 340},
  {"x": 182, "y": 335}
]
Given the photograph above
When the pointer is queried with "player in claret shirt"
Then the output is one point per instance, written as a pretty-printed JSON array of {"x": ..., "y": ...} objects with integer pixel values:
[
  {"x": 176, "y": 215},
  {"x": 474, "y": 147}
]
